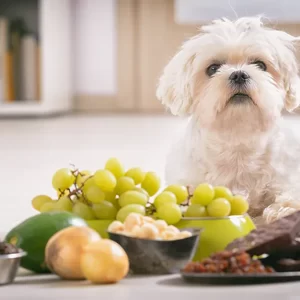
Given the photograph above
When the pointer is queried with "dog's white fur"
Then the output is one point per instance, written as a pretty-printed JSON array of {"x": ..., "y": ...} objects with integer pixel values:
[{"x": 242, "y": 146}]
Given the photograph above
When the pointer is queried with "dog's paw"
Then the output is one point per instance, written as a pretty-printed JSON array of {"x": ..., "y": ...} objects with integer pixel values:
[
  {"x": 270, "y": 213},
  {"x": 279, "y": 210}
]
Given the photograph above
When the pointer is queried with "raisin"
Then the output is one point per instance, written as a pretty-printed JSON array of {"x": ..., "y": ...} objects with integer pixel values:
[
  {"x": 201, "y": 268},
  {"x": 235, "y": 262}
]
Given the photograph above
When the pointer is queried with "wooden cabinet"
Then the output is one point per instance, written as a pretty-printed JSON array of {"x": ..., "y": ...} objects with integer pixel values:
[{"x": 53, "y": 19}]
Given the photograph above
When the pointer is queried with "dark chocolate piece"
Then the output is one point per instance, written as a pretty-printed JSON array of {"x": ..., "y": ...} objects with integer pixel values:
[
  {"x": 290, "y": 251},
  {"x": 270, "y": 238}
]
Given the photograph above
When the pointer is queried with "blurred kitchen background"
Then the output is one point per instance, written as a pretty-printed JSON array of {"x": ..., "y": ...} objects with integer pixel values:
[{"x": 78, "y": 79}]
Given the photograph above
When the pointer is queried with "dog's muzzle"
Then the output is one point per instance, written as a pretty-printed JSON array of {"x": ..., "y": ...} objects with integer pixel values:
[
  {"x": 238, "y": 78},
  {"x": 238, "y": 81},
  {"x": 240, "y": 98}
]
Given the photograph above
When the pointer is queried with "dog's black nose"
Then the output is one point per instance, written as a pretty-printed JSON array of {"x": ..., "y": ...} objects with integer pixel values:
[{"x": 239, "y": 77}]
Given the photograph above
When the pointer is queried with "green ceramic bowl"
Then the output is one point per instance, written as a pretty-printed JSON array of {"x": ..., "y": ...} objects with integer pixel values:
[{"x": 217, "y": 232}]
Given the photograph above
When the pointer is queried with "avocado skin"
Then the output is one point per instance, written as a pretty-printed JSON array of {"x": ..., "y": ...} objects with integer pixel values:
[{"x": 33, "y": 234}]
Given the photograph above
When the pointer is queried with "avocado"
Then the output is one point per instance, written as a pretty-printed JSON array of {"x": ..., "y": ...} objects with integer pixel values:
[{"x": 33, "y": 234}]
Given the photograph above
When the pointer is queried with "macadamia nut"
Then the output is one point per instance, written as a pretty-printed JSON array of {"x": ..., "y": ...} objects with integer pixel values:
[
  {"x": 116, "y": 226},
  {"x": 149, "y": 231},
  {"x": 168, "y": 235},
  {"x": 132, "y": 220},
  {"x": 144, "y": 227},
  {"x": 148, "y": 220},
  {"x": 160, "y": 224}
]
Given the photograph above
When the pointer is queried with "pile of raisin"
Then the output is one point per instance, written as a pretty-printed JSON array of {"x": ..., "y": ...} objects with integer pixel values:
[
  {"x": 234, "y": 262},
  {"x": 6, "y": 248}
]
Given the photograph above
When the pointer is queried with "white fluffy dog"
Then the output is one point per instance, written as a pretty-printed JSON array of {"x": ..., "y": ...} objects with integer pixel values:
[{"x": 232, "y": 81}]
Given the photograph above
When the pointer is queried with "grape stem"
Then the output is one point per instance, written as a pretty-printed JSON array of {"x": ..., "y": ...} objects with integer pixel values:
[
  {"x": 190, "y": 195},
  {"x": 77, "y": 191},
  {"x": 150, "y": 209}
]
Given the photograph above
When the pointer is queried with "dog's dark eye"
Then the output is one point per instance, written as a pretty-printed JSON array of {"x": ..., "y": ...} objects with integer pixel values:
[
  {"x": 212, "y": 69},
  {"x": 260, "y": 64}
]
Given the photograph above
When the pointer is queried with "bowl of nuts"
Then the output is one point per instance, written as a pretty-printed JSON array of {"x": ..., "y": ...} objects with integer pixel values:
[
  {"x": 10, "y": 258},
  {"x": 153, "y": 247}
]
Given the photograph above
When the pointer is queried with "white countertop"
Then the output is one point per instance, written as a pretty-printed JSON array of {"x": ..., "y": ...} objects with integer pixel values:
[
  {"x": 40, "y": 147},
  {"x": 42, "y": 287}
]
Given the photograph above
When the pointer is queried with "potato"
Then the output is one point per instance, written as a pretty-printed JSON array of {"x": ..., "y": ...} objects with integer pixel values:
[
  {"x": 104, "y": 261},
  {"x": 63, "y": 251}
]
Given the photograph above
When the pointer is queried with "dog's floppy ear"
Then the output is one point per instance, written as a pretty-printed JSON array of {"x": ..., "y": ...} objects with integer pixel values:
[
  {"x": 290, "y": 70},
  {"x": 176, "y": 85},
  {"x": 292, "y": 100}
]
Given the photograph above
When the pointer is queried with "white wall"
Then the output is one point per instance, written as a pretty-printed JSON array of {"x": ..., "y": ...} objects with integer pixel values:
[
  {"x": 195, "y": 11},
  {"x": 95, "y": 47}
]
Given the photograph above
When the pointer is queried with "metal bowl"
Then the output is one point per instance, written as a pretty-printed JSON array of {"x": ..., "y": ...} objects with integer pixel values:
[
  {"x": 156, "y": 257},
  {"x": 9, "y": 264}
]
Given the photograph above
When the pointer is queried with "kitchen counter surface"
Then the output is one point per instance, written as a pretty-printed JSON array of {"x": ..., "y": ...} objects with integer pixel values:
[{"x": 40, "y": 287}]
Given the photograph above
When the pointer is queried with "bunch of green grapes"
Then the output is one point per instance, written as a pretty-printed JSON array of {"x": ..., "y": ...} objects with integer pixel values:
[
  {"x": 218, "y": 201},
  {"x": 112, "y": 193}
]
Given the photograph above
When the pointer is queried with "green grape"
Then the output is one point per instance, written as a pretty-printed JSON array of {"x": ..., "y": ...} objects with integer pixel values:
[
  {"x": 164, "y": 198},
  {"x": 114, "y": 202},
  {"x": 87, "y": 184},
  {"x": 49, "y": 206},
  {"x": 179, "y": 191},
  {"x": 110, "y": 196},
  {"x": 219, "y": 208},
  {"x": 105, "y": 180},
  {"x": 38, "y": 201},
  {"x": 81, "y": 181},
  {"x": 83, "y": 211},
  {"x": 63, "y": 204},
  {"x": 62, "y": 179},
  {"x": 222, "y": 192},
  {"x": 169, "y": 212},
  {"x": 85, "y": 172},
  {"x": 133, "y": 197},
  {"x": 239, "y": 205},
  {"x": 141, "y": 190},
  {"x": 131, "y": 208},
  {"x": 151, "y": 183},
  {"x": 115, "y": 166},
  {"x": 203, "y": 194},
  {"x": 136, "y": 174},
  {"x": 196, "y": 211},
  {"x": 82, "y": 177},
  {"x": 124, "y": 184},
  {"x": 94, "y": 194},
  {"x": 105, "y": 210}
]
